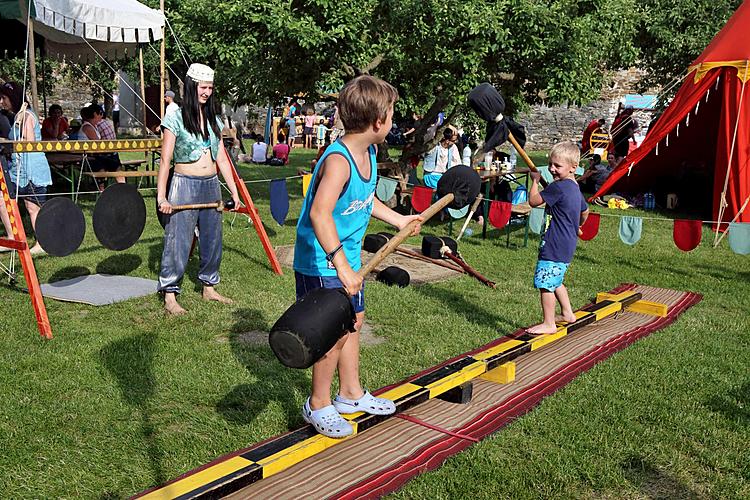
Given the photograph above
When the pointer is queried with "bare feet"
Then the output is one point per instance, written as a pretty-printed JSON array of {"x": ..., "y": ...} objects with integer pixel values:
[
  {"x": 171, "y": 305},
  {"x": 210, "y": 294},
  {"x": 541, "y": 329},
  {"x": 37, "y": 250},
  {"x": 565, "y": 318}
]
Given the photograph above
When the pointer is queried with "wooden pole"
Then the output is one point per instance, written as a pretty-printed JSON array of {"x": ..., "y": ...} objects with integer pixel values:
[
  {"x": 143, "y": 92},
  {"x": 526, "y": 158},
  {"x": 32, "y": 67},
  {"x": 161, "y": 55}
]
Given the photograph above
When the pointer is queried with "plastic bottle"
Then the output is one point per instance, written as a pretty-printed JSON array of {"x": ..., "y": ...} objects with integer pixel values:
[
  {"x": 513, "y": 157},
  {"x": 648, "y": 201}
]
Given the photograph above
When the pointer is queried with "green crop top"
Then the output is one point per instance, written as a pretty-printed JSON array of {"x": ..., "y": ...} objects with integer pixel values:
[{"x": 189, "y": 147}]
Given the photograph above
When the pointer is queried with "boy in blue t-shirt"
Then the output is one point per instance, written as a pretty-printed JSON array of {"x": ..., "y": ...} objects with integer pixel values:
[
  {"x": 568, "y": 210},
  {"x": 332, "y": 224}
]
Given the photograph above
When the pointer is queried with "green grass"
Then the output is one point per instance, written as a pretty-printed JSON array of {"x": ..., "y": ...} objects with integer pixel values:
[{"x": 125, "y": 398}]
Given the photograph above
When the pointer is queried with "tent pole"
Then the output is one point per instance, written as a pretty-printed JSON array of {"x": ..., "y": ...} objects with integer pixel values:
[
  {"x": 32, "y": 67},
  {"x": 161, "y": 86},
  {"x": 143, "y": 91},
  {"x": 44, "y": 83}
]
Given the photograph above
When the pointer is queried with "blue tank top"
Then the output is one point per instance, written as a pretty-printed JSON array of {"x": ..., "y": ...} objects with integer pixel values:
[
  {"x": 34, "y": 166},
  {"x": 351, "y": 216}
]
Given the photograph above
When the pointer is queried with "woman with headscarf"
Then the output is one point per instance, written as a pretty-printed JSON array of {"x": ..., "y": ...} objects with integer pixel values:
[{"x": 192, "y": 138}]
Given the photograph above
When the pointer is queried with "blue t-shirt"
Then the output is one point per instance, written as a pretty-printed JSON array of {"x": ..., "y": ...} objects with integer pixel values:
[
  {"x": 351, "y": 214},
  {"x": 564, "y": 204}
]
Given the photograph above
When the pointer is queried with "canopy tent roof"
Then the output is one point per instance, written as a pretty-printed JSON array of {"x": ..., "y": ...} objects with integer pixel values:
[
  {"x": 702, "y": 140},
  {"x": 112, "y": 28}
]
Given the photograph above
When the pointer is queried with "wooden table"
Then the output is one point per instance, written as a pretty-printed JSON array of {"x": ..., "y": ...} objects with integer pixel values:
[
  {"x": 61, "y": 162},
  {"x": 517, "y": 176}
]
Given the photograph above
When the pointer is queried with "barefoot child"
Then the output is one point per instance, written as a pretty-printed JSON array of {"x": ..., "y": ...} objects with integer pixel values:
[
  {"x": 334, "y": 218},
  {"x": 568, "y": 209}
]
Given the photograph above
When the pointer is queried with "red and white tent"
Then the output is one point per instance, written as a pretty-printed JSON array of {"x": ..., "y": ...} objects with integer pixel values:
[{"x": 703, "y": 138}]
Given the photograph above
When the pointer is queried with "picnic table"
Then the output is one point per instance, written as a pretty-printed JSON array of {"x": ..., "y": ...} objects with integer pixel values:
[{"x": 520, "y": 177}]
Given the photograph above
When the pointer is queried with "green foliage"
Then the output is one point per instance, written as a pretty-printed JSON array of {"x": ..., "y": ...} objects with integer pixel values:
[{"x": 673, "y": 33}]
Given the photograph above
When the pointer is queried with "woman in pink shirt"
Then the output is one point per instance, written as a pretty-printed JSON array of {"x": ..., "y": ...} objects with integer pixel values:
[
  {"x": 307, "y": 131},
  {"x": 281, "y": 150}
]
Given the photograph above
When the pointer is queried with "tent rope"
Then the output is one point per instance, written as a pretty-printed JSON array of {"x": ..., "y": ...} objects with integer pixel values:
[{"x": 723, "y": 201}]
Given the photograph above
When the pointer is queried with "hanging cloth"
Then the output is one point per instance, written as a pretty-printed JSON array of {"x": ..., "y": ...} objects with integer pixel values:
[
  {"x": 590, "y": 228},
  {"x": 630, "y": 229},
  {"x": 739, "y": 237},
  {"x": 459, "y": 213},
  {"x": 421, "y": 198},
  {"x": 687, "y": 234},
  {"x": 536, "y": 220},
  {"x": 386, "y": 189},
  {"x": 500, "y": 213},
  {"x": 306, "y": 183},
  {"x": 279, "y": 200}
]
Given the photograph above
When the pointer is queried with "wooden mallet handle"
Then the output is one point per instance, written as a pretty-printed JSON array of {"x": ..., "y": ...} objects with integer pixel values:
[
  {"x": 529, "y": 162},
  {"x": 218, "y": 205},
  {"x": 399, "y": 238},
  {"x": 474, "y": 207}
]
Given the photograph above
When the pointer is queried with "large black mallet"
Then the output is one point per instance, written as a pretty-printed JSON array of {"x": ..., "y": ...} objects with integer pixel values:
[
  {"x": 312, "y": 326},
  {"x": 487, "y": 102}
]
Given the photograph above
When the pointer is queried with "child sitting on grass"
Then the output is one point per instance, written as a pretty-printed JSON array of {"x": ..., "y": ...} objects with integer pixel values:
[
  {"x": 568, "y": 209},
  {"x": 333, "y": 221}
]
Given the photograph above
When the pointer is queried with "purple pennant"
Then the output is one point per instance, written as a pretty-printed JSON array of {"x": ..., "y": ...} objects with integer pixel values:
[{"x": 279, "y": 200}]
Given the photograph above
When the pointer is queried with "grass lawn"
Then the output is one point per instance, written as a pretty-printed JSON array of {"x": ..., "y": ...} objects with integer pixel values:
[{"x": 125, "y": 398}]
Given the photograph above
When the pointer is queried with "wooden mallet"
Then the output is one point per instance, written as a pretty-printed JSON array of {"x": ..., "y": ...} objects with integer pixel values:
[
  {"x": 311, "y": 327},
  {"x": 220, "y": 206}
]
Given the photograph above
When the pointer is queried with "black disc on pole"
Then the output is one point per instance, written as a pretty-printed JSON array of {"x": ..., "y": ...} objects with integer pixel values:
[
  {"x": 119, "y": 216},
  {"x": 60, "y": 226}
]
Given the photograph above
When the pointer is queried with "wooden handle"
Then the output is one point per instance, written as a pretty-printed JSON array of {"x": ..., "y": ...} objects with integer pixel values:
[
  {"x": 394, "y": 242},
  {"x": 196, "y": 205},
  {"x": 474, "y": 207},
  {"x": 529, "y": 162},
  {"x": 468, "y": 269}
]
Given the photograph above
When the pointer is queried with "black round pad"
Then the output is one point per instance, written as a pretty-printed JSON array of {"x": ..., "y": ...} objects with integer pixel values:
[
  {"x": 393, "y": 275},
  {"x": 463, "y": 182},
  {"x": 60, "y": 226},
  {"x": 311, "y": 327},
  {"x": 119, "y": 216},
  {"x": 373, "y": 242}
]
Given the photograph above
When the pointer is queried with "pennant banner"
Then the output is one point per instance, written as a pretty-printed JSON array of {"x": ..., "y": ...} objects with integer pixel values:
[
  {"x": 500, "y": 213},
  {"x": 687, "y": 234},
  {"x": 630, "y": 229},
  {"x": 306, "y": 183},
  {"x": 590, "y": 228},
  {"x": 421, "y": 198},
  {"x": 739, "y": 237},
  {"x": 279, "y": 200},
  {"x": 386, "y": 189},
  {"x": 536, "y": 220}
]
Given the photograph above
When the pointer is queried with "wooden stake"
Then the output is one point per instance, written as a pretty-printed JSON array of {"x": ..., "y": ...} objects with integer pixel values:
[
  {"x": 143, "y": 92},
  {"x": 32, "y": 68}
]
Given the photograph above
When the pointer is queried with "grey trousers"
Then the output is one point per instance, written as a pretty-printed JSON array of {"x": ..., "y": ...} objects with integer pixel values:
[{"x": 179, "y": 232}]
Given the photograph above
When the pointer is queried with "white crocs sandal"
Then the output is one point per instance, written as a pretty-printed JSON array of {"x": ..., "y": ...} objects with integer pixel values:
[
  {"x": 327, "y": 421},
  {"x": 367, "y": 403}
]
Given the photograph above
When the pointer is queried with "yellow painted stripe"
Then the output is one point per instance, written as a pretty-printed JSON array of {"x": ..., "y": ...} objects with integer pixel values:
[
  {"x": 48, "y": 146},
  {"x": 392, "y": 394},
  {"x": 199, "y": 479},
  {"x": 500, "y": 348},
  {"x": 578, "y": 314},
  {"x": 608, "y": 310},
  {"x": 298, "y": 452},
  {"x": 602, "y": 296},
  {"x": 648, "y": 307},
  {"x": 455, "y": 379},
  {"x": 503, "y": 374},
  {"x": 543, "y": 340}
]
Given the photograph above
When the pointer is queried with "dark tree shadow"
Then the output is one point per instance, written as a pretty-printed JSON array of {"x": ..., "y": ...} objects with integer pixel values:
[
  {"x": 274, "y": 383},
  {"x": 654, "y": 483},
  {"x": 130, "y": 361},
  {"x": 735, "y": 405},
  {"x": 119, "y": 264},
  {"x": 67, "y": 273}
]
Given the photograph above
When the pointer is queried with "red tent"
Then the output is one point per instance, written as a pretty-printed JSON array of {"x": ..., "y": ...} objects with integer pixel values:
[{"x": 700, "y": 146}]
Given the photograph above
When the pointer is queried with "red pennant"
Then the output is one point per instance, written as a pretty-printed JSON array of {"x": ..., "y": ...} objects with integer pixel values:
[
  {"x": 590, "y": 228},
  {"x": 687, "y": 234},
  {"x": 421, "y": 198},
  {"x": 500, "y": 213}
]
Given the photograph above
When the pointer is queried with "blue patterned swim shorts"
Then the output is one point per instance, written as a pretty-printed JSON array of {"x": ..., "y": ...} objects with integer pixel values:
[{"x": 549, "y": 275}]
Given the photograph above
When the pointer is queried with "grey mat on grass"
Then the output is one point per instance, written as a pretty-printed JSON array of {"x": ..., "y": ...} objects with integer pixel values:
[{"x": 99, "y": 289}]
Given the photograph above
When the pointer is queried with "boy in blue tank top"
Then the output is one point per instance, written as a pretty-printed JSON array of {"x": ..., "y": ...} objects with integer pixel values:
[
  {"x": 334, "y": 218},
  {"x": 568, "y": 211}
]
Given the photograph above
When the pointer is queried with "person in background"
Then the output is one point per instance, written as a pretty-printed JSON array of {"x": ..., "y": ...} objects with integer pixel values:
[
  {"x": 322, "y": 133},
  {"x": 169, "y": 99},
  {"x": 291, "y": 124},
  {"x": 116, "y": 112},
  {"x": 260, "y": 149},
  {"x": 594, "y": 127},
  {"x": 105, "y": 127},
  {"x": 27, "y": 174},
  {"x": 110, "y": 162},
  {"x": 442, "y": 157},
  {"x": 568, "y": 211},
  {"x": 281, "y": 150},
  {"x": 55, "y": 126},
  {"x": 309, "y": 127}
]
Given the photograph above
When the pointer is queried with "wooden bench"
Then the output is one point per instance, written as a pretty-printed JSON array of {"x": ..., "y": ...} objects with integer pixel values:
[{"x": 132, "y": 164}]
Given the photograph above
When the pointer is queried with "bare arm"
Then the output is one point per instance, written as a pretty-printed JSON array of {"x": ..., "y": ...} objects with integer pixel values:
[
  {"x": 28, "y": 127},
  {"x": 584, "y": 216},
  {"x": 225, "y": 167},
  {"x": 167, "y": 151},
  {"x": 535, "y": 199},
  {"x": 334, "y": 175}
]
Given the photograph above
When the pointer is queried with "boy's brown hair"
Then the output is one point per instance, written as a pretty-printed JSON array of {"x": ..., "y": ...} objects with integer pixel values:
[
  {"x": 364, "y": 100},
  {"x": 567, "y": 152}
]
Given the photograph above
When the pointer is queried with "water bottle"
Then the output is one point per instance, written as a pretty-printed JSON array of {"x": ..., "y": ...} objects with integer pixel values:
[
  {"x": 513, "y": 157},
  {"x": 648, "y": 201}
]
